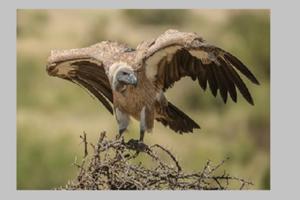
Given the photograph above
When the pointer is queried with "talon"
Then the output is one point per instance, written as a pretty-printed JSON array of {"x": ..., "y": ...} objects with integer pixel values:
[
  {"x": 118, "y": 136},
  {"x": 137, "y": 145}
]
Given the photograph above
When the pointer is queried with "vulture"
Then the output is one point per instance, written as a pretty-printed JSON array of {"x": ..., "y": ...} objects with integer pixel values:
[{"x": 131, "y": 82}]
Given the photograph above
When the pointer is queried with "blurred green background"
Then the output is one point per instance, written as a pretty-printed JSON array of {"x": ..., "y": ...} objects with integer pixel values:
[{"x": 52, "y": 113}]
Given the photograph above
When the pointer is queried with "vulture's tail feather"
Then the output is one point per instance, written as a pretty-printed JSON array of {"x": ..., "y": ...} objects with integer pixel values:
[{"x": 177, "y": 120}]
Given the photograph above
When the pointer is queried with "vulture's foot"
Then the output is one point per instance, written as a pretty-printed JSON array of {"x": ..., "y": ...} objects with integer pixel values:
[
  {"x": 120, "y": 135},
  {"x": 121, "y": 131},
  {"x": 137, "y": 145}
]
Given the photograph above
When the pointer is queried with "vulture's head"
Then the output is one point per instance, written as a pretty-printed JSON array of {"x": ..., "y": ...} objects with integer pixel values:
[{"x": 122, "y": 75}]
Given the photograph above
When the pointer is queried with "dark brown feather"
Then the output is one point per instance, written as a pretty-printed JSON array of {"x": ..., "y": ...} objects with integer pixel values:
[
  {"x": 95, "y": 92},
  {"x": 202, "y": 75},
  {"x": 213, "y": 85},
  {"x": 227, "y": 78},
  {"x": 240, "y": 84},
  {"x": 198, "y": 60},
  {"x": 97, "y": 84},
  {"x": 92, "y": 76},
  {"x": 177, "y": 67},
  {"x": 172, "y": 65},
  {"x": 95, "y": 75},
  {"x": 241, "y": 67},
  {"x": 221, "y": 82},
  {"x": 178, "y": 120}
]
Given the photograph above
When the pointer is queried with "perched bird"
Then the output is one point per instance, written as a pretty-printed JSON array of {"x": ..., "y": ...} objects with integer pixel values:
[{"x": 131, "y": 82}]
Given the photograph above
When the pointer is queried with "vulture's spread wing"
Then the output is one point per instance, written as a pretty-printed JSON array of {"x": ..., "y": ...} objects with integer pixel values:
[
  {"x": 88, "y": 67},
  {"x": 175, "y": 54},
  {"x": 92, "y": 77}
]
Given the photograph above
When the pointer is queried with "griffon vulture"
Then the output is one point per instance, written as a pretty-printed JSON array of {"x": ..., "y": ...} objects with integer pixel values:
[{"x": 131, "y": 82}]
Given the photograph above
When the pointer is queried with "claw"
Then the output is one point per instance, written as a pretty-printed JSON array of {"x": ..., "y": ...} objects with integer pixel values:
[{"x": 137, "y": 145}]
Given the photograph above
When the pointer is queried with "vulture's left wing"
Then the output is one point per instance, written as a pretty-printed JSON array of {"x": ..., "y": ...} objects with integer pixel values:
[
  {"x": 175, "y": 54},
  {"x": 88, "y": 67}
]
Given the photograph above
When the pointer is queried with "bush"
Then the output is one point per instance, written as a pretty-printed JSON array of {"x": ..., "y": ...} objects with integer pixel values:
[{"x": 112, "y": 167}]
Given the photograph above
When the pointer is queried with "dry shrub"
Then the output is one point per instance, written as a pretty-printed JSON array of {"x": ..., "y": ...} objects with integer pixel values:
[{"x": 114, "y": 166}]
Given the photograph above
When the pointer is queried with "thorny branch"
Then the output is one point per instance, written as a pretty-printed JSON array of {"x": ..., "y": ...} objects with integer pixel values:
[
  {"x": 84, "y": 140},
  {"x": 112, "y": 166}
]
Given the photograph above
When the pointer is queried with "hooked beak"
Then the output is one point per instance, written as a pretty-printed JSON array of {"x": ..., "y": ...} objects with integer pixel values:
[
  {"x": 132, "y": 80},
  {"x": 128, "y": 80}
]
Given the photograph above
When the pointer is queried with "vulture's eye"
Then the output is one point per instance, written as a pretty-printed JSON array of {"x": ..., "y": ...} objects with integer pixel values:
[{"x": 124, "y": 73}]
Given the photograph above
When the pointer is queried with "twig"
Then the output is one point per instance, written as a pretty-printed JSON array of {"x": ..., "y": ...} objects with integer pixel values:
[
  {"x": 171, "y": 155},
  {"x": 84, "y": 140},
  {"x": 112, "y": 166}
]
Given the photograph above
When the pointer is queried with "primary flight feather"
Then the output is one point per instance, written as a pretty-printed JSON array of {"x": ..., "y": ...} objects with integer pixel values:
[{"x": 131, "y": 82}]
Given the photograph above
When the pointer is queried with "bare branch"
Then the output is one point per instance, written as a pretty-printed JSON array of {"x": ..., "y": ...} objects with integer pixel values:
[
  {"x": 113, "y": 166},
  {"x": 84, "y": 140}
]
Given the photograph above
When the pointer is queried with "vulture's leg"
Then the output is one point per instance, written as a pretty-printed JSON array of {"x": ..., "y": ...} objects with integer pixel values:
[
  {"x": 146, "y": 121},
  {"x": 143, "y": 123},
  {"x": 123, "y": 121},
  {"x": 146, "y": 124}
]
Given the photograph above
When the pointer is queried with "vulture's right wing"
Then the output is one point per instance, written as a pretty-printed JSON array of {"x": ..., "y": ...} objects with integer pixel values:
[{"x": 88, "y": 67}]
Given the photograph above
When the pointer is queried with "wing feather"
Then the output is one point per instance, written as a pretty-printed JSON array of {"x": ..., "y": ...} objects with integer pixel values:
[
  {"x": 240, "y": 84},
  {"x": 189, "y": 55},
  {"x": 221, "y": 82},
  {"x": 230, "y": 83},
  {"x": 202, "y": 76},
  {"x": 88, "y": 67},
  {"x": 213, "y": 84},
  {"x": 95, "y": 92},
  {"x": 241, "y": 67}
]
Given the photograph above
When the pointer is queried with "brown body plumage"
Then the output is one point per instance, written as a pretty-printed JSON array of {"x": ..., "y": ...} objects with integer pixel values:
[
  {"x": 134, "y": 80},
  {"x": 134, "y": 99}
]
